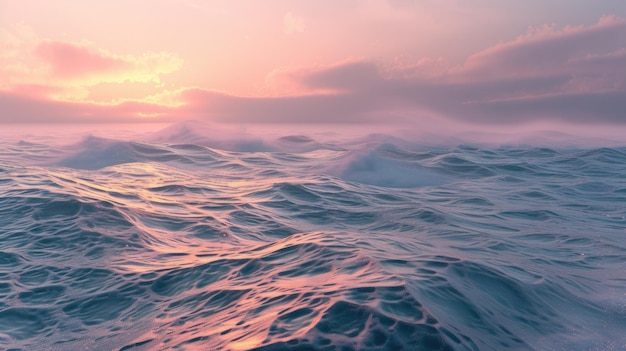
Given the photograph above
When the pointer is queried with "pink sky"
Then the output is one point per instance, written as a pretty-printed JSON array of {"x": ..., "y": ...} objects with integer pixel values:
[{"x": 488, "y": 62}]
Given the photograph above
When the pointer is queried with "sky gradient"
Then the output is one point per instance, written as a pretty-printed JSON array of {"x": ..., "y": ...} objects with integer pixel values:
[{"x": 483, "y": 62}]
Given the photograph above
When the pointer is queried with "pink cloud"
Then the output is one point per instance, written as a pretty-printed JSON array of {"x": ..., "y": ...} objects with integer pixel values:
[
  {"x": 572, "y": 74},
  {"x": 546, "y": 49},
  {"x": 86, "y": 65},
  {"x": 72, "y": 60},
  {"x": 64, "y": 70}
]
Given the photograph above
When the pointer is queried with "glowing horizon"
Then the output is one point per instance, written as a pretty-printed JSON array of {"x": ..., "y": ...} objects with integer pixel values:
[{"x": 298, "y": 62}]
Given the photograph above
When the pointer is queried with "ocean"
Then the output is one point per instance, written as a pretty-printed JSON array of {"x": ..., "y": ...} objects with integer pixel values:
[{"x": 175, "y": 239}]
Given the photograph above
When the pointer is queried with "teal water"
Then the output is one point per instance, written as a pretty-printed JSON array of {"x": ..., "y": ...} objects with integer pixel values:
[{"x": 375, "y": 243}]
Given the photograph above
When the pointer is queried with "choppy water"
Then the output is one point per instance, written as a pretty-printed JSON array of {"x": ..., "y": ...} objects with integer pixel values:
[{"x": 373, "y": 243}]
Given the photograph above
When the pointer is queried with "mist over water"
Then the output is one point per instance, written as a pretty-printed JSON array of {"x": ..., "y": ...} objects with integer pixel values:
[{"x": 196, "y": 236}]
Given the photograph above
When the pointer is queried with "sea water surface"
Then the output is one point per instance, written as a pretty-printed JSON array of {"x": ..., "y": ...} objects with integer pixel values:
[{"x": 175, "y": 240}]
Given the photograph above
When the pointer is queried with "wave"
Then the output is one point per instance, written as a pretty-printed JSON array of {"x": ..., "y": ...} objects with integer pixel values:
[{"x": 373, "y": 243}]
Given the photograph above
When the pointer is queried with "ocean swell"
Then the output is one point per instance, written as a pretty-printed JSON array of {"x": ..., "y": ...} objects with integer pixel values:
[{"x": 297, "y": 243}]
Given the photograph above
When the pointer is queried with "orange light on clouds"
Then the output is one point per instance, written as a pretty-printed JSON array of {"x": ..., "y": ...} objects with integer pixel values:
[{"x": 67, "y": 71}]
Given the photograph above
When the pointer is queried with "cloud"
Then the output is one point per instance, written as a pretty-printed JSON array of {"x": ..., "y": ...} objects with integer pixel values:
[
  {"x": 348, "y": 76},
  {"x": 338, "y": 77},
  {"x": 547, "y": 49},
  {"x": 292, "y": 24},
  {"x": 573, "y": 74},
  {"x": 582, "y": 108},
  {"x": 23, "y": 109},
  {"x": 326, "y": 108},
  {"x": 570, "y": 74},
  {"x": 70, "y": 60},
  {"x": 89, "y": 65},
  {"x": 66, "y": 70}
]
